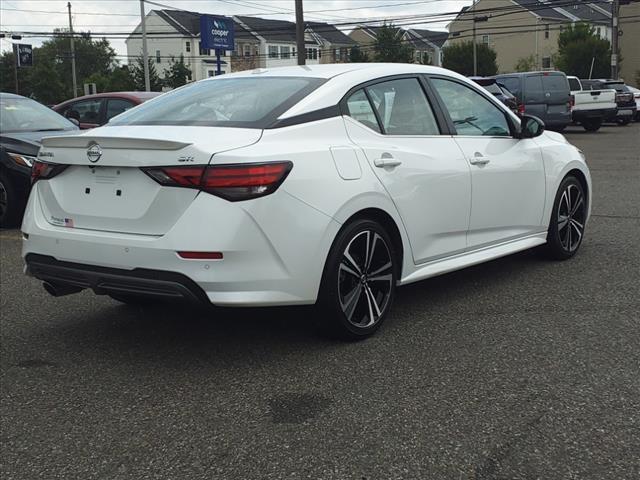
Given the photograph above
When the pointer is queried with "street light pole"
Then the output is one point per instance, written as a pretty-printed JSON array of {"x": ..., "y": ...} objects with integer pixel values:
[
  {"x": 145, "y": 53},
  {"x": 300, "y": 44},
  {"x": 73, "y": 54},
  {"x": 615, "y": 10}
]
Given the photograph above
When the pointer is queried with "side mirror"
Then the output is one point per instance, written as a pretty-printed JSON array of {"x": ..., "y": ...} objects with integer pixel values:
[
  {"x": 74, "y": 121},
  {"x": 530, "y": 127}
]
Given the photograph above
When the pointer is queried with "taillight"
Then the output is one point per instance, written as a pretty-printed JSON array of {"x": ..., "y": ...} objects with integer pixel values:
[
  {"x": 233, "y": 182},
  {"x": 521, "y": 108},
  {"x": 45, "y": 171},
  {"x": 572, "y": 102}
]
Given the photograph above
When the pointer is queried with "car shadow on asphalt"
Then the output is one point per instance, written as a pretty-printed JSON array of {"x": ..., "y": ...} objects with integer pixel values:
[{"x": 165, "y": 330}]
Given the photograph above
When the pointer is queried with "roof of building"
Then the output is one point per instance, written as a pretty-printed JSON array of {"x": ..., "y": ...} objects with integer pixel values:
[
  {"x": 188, "y": 23},
  {"x": 330, "y": 33},
  {"x": 562, "y": 11},
  {"x": 273, "y": 30},
  {"x": 435, "y": 37}
]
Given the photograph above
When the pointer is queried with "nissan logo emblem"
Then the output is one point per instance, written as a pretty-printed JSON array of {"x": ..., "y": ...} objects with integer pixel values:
[{"x": 94, "y": 152}]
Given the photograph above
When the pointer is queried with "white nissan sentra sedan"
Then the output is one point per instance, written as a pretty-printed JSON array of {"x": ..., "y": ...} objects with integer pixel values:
[{"x": 327, "y": 185}]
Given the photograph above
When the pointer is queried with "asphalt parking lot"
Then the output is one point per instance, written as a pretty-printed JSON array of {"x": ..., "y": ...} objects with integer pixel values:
[{"x": 521, "y": 368}]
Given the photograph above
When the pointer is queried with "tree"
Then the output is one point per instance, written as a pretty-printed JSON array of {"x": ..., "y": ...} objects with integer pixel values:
[
  {"x": 578, "y": 47},
  {"x": 459, "y": 58},
  {"x": 178, "y": 73},
  {"x": 137, "y": 73},
  {"x": 49, "y": 80},
  {"x": 389, "y": 46},
  {"x": 358, "y": 56},
  {"x": 526, "y": 64}
]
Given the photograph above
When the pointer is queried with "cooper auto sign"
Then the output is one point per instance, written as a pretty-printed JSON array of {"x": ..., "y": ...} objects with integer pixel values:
[{"x": 216, "y": 32}]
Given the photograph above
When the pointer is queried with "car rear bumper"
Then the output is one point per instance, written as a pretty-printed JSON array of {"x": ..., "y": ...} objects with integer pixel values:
[
  {"x": 604, "y": 113},
  {"x": 273, "y": 249},
  {"x": 104, "y": 280}
]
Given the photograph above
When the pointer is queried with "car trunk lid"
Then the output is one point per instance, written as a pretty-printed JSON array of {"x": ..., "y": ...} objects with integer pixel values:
[{"x": 103, "y": 188}]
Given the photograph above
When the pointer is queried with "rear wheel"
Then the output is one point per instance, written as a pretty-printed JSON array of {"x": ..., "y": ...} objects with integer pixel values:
[
  {"x": 358, "y": 283},
  {"x": 592, "y": 125},
  {"x": 568, "y": 217},
  {"x": 9, "y": 204}
]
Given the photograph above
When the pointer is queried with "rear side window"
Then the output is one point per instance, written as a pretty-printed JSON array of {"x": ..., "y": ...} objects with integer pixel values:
[
  {"x": 555, "y": 83},
  {"x": 116, "y": 106},
  {"x": 86, "y": 111},
  {"x": 360, "y": 109},
  {"x": 403, "y": 108}
]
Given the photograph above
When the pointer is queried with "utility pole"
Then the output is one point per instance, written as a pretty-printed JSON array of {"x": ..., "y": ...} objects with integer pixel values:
[
  {"x": 145, "y": 53},
  {"x": 73, "y": 54},
  {"x": 615, "y": 10},
  {"x": 300, "y": 44}
]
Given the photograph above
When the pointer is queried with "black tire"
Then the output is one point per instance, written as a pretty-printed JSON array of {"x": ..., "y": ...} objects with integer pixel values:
[
  {"x": 592, "y": 125},
  {"x": 566, "y": 227},
  {"x": 355, "y": 293},
  {"x": 10, "y": 205},
  {"x": 623, "y": 121}
]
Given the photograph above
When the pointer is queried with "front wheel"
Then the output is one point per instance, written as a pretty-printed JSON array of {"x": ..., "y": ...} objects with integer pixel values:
[
  {"x": 9, "y": 203},
  {"x": 568, "y": 218},
  {"x": 359, "y": 279}
]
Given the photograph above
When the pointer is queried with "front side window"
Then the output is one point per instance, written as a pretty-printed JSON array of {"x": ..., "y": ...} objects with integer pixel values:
[
  {"x": 233, "y": 102},
  {"x": 360, "y": 109},
  {"x": 403, "y": 107},
  {"x": 470, "y": 112}
]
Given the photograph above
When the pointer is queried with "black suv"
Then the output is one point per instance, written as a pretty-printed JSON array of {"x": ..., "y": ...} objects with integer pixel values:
[{"x": 625, "y": 100}]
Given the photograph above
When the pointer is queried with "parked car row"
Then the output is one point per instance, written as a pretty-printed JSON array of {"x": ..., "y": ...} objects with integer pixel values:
[{"x": 559, "y": 100}]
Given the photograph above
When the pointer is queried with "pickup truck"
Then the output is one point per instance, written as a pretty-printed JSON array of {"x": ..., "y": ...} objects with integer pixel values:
[
  {"x": 625, "y": 100},
  {"x": 591, "y": 107}
]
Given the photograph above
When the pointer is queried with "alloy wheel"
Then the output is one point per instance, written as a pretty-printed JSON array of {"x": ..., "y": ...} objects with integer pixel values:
[
  {"x": 365, "y": 279},
  {"x": 571, "y": 218}
]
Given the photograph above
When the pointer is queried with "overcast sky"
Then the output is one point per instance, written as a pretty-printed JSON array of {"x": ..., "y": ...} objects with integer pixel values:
[{"x": 103, "y": 16}]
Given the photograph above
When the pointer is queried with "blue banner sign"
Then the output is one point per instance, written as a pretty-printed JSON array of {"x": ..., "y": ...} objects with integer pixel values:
[{"x": 216, "y": 33}]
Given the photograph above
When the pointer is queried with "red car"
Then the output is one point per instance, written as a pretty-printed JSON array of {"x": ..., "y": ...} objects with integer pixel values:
[{"x": 92, "y": 111}]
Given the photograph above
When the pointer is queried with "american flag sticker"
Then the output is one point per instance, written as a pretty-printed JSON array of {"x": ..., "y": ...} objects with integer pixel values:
[{"x": 68, "y": 222}]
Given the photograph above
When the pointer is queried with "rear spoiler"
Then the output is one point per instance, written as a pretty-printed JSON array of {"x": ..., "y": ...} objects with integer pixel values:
[{"x": 81, "y": 141}]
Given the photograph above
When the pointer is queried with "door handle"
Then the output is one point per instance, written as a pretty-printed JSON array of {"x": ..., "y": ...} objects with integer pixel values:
[
  {"x": 479, "y": 159},
  {"x": 386, "y": 162}
]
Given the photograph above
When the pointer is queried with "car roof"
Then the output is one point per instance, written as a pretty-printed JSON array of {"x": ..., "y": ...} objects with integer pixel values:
[
  {"x": 329, "y": 70},
  {"x": 10, "y": 95},
  {"x": 128, "y": 95}
]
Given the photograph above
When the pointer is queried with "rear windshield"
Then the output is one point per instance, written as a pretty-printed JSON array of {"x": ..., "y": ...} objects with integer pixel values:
[
  {"x": 26, "y": 115},
  {"x": 555, "y": 83},
  {"x": 574, "y": 84},
  {"x": 493, "y": 88},
  {"x": 619, "y": 87},
  {"x": 223, "y": 102}
]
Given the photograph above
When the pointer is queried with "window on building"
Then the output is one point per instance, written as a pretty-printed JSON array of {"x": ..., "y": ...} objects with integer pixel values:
[
  {"x": 546, "y": 31},
  {"x": 273, "y": 51},
  {"x": 485, "y": 39},
  {"x": 285, "y": 52},
  {"x": 598, "y": 31},
  {"x": 188, "y": 46},
  {"x": 158, "y": 59},
  {"x": 210, "y": 73},
  {"x": 247, "y": 50},
  {"x": 546, "y": 62}
]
